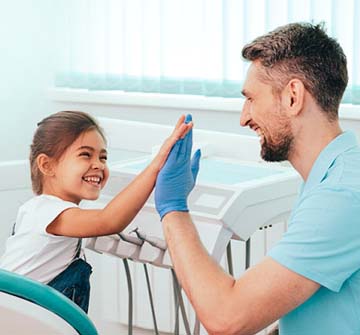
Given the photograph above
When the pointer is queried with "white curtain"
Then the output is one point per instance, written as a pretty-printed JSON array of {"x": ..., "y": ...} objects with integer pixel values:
[{"x": 185, "y": 46}]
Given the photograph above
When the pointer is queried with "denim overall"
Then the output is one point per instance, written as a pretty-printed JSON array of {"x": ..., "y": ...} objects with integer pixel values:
[{"x": 74, "y": 282}]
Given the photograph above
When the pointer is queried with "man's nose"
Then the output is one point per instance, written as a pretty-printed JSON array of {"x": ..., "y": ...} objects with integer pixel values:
[{"x": 245, "y": 115}]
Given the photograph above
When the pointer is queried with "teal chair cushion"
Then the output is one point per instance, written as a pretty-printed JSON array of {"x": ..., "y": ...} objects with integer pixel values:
[{"x": 47, "y": 298}]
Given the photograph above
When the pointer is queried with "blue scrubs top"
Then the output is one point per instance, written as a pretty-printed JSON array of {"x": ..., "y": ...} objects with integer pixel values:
[{"x": 323, "y": 243}]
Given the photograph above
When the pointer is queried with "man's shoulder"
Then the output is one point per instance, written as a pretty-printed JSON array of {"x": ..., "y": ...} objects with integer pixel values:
[
  {"x": 342, "y": 177},
  {"x": 333, "y": 193},
  {"x": 345, "y": 170},
  {"x": 329, "y": 203}
]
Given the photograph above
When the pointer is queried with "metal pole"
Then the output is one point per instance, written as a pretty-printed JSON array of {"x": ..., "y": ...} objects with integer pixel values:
[
  {"x": 229, "y": 258},
  {"x": 151, "y": 300},
  {"x": 247, "y": 254},
  {"x": 130, "y": 309},
  {"x": 176, "y": 310},
  {"x": 181, "y": 302}
]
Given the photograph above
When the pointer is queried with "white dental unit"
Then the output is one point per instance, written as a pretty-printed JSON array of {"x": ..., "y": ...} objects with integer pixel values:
[
  {"x": 235, "y": 195},
  {"x": 231, "y": 195}
]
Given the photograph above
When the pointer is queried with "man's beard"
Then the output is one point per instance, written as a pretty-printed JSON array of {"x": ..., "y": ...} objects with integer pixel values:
[{"x": 278, "y": 152}]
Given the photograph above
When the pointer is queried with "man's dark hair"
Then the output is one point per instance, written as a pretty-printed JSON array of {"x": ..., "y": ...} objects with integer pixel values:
[{"x": 303, "y": 51}]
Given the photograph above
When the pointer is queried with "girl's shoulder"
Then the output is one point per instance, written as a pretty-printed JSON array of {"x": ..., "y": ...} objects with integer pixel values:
[
  {"x": 38, "y": 212},
  {"x": 47, "y": 200}
]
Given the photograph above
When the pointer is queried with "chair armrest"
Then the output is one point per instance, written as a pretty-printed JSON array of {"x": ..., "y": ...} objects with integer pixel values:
[{"x": 47, "y": 298}]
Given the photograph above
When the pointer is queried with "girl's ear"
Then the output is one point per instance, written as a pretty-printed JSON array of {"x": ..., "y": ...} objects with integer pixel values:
[{"x": 45, "y": 165}]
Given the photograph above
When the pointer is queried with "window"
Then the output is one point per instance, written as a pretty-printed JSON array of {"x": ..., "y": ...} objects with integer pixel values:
[{"x": 185, "y": 46}]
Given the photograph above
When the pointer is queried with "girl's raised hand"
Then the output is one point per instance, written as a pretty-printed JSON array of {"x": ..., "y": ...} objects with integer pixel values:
[{"x": 183, "y": 126}]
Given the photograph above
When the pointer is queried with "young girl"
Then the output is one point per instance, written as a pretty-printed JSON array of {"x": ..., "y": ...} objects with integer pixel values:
[{"x": 68, "y": 164}]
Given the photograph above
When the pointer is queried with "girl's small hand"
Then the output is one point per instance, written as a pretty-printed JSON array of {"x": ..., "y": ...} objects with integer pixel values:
[{"x": 182, "y": 127}]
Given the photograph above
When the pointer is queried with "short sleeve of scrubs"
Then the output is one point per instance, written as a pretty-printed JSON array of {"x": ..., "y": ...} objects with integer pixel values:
[{"x": 323, "y": 240}]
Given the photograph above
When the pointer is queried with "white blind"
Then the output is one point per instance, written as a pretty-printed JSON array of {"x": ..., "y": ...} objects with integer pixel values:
[{"x": 185, "y": 46}]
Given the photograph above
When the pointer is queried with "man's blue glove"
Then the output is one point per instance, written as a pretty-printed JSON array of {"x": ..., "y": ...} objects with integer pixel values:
[{"x": 177, "y": 177}]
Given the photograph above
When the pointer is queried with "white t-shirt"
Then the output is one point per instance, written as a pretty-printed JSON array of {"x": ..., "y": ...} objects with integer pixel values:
[{"x": 32, "y": 251}]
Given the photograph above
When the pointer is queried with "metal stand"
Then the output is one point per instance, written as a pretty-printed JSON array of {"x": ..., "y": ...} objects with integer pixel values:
[
  {"x": 151, "y": 300},
  {"x": 130, "y": 290},
  {"x": 229, "y": 259},
  {"x": 247, "y": 253},
  {"x": 179, "y": 302},
  {"x": 176, "y": 309}
]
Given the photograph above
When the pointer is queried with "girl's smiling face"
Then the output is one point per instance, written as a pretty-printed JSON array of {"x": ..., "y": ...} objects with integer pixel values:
[{"x": 81, "y": 172}]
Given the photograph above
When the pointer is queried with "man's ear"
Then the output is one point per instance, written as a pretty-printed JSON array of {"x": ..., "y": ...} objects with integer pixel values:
[
  {"x": 292, "y": 97},
  {"x": 45, "y": 165}
]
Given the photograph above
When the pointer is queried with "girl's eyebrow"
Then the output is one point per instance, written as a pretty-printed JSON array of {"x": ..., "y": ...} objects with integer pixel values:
[{"x": 91, "y": 148}]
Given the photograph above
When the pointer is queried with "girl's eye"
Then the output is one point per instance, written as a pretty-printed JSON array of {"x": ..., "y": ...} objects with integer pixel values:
[
  {"x": 103, "y": 158},
  {"x": 86, "y": 154}
]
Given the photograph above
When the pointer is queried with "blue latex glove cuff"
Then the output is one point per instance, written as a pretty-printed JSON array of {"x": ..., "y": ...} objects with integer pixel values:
[{"x": 172, "y": 208}]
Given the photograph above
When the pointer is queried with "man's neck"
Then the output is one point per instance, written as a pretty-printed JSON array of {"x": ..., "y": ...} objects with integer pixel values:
[{"x": 309, "y": 142}]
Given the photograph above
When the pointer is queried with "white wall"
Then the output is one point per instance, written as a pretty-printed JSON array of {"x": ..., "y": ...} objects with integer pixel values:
[
  {"x": 226, "y": 121},
  {"x": 26, "y": 71}
]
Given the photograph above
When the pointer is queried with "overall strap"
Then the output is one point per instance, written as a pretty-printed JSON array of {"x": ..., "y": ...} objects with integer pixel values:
[{"x": 78, "y": 249}]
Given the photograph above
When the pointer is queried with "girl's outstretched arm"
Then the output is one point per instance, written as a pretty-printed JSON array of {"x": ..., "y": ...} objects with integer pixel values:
[{"x": 122, "y": 209}]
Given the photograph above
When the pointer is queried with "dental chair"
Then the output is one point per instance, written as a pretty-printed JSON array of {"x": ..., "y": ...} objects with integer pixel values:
[
  {"x": 30, "y": 307},
  {"x": 27, "y": 306}
]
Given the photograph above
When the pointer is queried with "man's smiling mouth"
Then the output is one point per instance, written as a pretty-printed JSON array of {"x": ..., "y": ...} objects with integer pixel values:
[{"x": 258, "y": 131}]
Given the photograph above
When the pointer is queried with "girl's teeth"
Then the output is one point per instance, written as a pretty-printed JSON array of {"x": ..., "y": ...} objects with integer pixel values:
[{"x": 92, "y": 179}]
